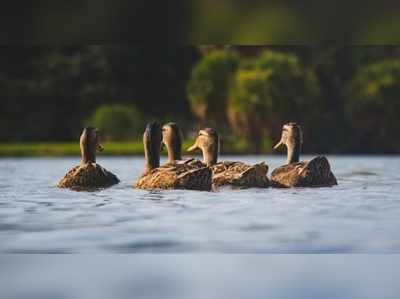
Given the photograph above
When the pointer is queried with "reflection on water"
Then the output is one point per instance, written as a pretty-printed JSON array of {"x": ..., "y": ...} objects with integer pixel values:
[{"x": 359, "y": 215}]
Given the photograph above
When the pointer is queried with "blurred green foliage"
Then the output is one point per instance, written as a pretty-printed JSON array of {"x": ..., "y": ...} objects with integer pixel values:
[
  {"x": 66, "y": 149},
  {"x": 330, "y": 91},
  {"x": 374, "y": 106},
  {"x": 346, "y": 98},
  {"x": 52, "y": 149},
  {"x": 252, "y": 22},
  {"x": 269, "y": 90},
  {"x": 274, "y": 22},
  {"x": 209, "y": 84},
  {"x": 118, "y": 122}
]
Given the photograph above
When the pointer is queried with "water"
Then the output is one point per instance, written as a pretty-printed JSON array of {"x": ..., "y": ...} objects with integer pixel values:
[
  {"x": 198, "y": 276},
  {"x": 358, "y": 216}
]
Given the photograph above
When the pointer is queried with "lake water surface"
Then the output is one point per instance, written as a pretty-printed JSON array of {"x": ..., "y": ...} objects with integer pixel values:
[{"x": 361, "y": 215}]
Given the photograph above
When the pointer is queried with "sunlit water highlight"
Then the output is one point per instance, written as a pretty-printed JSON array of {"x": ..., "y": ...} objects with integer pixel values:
[{"x": 361, "y": 215}]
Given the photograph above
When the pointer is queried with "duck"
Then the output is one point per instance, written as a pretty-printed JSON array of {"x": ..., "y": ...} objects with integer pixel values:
[
  {"x": 88, "y": 174},
  {"x": 314, "y": 173},
  {"x": 228, "y": 173},
  {"x": 175, "y": 174},
  {"x": 172, "y": 141}
]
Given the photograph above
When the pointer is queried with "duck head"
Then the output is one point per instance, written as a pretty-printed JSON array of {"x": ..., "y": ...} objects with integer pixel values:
[
  {"x": 172, "y": 139},
  {"x": 208, "y": 142},
  {"x": 152, "y": 145},
  {"x": 90, "y": 143},
  {"x": 292, "y": 137}
]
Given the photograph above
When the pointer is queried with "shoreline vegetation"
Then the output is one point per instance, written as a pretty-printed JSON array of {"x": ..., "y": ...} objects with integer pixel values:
[
  {"x": 49, "y": 149},
  {"x": 52, "y": 149},
  {"x": 345, "y": 98},
  {"x": 135, "y": 148}
]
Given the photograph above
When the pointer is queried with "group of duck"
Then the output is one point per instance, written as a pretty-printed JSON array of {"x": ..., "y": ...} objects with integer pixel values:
[{"x": 193, "y": 174}]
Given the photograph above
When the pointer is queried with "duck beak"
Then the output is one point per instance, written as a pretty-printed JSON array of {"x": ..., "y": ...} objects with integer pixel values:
[
  {"x": 193, "y": 147},
  {"x": 278, "y": 144}
]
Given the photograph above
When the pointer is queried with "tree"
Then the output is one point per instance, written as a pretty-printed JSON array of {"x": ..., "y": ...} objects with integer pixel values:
[
  {"x": 209, "y": 84},
  {"x": 269, "y": 91},
  {"x": 118, "y": 122},
  {"x": 373, "y": 106}
]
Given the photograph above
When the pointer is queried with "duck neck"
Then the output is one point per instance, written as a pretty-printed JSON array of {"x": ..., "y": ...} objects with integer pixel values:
[
  {"x": 293, "y": 152},
  {"x": 88, "y": 154},
  {"x": 151, "y": 155},
  {"x": 174, "y": 152},
  {"x": 210, "y": 155},
  {"x": 152, "y": 160}
]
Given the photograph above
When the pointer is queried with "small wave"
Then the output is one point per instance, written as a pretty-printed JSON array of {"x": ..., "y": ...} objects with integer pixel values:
[
  {"x": 154, "y": 246},
  {"x": 260, "y": 227},
  {"x": 360, "y": 173}
]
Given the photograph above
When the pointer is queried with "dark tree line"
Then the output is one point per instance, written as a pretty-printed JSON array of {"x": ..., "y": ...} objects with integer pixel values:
[{"x": 47, "y": 93}]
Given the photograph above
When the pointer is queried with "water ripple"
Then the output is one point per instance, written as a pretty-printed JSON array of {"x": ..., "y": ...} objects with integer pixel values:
[{"x": 359, "y": 215}]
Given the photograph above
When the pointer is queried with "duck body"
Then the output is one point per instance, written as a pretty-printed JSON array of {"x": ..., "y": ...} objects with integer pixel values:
[
  {"x": 227, "y": 173},
  {"x": 238, "y": 174},
  {"x": 87, "y": 176},
  {"x": 314, "y": 173},
  {"x": 176, "y": 173},
  {"x": 190, "y": 175}
]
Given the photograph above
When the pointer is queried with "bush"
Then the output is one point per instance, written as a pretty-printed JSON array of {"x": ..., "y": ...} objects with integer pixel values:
[
  {"x": 270, "y": 90},
  {"x": 247, "y": 105},
  {"x": 118, "y": 122},
  {"x": 373, "y": 106},
  {"x": 209, "y": 83}
]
